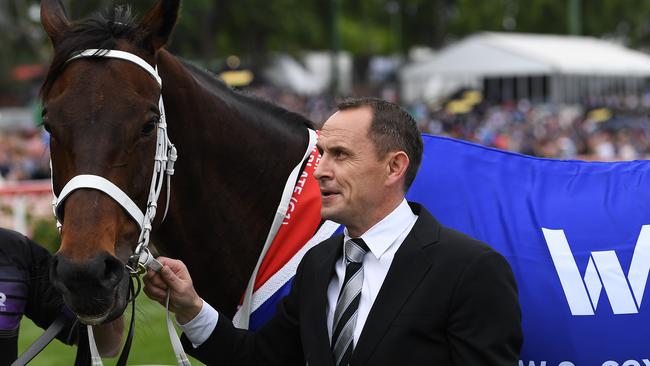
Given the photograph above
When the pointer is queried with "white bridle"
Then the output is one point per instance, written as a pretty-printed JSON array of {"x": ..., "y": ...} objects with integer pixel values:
[{"x": 164, "y": 160}]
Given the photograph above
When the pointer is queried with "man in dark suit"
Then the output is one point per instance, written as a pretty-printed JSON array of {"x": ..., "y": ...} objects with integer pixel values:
[{"x": 396, "y": 288}]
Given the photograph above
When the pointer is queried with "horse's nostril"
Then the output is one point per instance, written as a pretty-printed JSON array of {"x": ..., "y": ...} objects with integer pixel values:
[{"x": 113, "y": 270}]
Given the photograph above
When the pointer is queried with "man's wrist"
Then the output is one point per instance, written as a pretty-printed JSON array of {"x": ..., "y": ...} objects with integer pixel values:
[
  {"x": 189, "y": 313},
  {"x": 199, "y": 329}
]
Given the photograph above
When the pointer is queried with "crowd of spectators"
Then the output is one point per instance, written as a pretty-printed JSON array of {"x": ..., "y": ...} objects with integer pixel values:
[
  {"x": 24, "y": 154},
  {"x": 610, "y": 129}
]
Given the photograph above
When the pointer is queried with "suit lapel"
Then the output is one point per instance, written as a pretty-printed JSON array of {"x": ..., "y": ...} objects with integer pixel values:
[
  {"x": 323, "y": 275},
  {"x": 410, "y": 264}
]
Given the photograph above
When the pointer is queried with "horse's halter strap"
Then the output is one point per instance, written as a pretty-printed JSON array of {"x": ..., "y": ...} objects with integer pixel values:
[{"x": 164, "y": 160}]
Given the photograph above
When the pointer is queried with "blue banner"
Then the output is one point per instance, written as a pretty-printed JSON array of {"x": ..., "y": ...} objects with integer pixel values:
[{"x": 577, "y": 235}]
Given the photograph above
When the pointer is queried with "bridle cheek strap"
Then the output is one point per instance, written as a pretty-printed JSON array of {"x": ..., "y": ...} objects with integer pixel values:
[{"x": 100, "y": 184}]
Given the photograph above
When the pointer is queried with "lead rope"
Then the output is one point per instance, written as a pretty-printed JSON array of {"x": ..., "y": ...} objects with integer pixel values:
[
  {"x": 181, "y": 357},
  {"x": 42, "y": 341},
  {"x": 95, "y": 359}
]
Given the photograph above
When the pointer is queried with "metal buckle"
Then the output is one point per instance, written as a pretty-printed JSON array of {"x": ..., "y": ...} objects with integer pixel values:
[
  {"x": 147, "y": 261},
  {"x": 133, "y": 265}
]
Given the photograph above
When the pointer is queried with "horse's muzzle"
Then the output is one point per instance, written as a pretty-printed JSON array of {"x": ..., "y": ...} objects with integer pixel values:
[{"x": 95, "y": 290}]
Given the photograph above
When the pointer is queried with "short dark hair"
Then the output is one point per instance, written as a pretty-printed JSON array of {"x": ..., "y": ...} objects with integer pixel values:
[{"x": 391, "y": 129}]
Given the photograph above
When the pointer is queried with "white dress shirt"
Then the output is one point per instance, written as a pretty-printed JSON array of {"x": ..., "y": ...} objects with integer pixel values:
[{"x": 383, "y": 240}]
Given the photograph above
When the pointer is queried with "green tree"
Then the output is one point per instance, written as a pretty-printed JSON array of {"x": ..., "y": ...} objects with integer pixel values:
[
  {"x": 210, "y": 30},
  {"x": 625, "y": 20}
]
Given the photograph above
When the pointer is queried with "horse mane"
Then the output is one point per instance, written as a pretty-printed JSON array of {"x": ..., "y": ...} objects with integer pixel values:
[
  {"x": 101, "y": 30},
  {"x": 218, "y": 87}
]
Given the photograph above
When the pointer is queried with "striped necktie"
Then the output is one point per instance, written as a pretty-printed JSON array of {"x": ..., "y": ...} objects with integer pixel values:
[{"x": 345, "y": 316}]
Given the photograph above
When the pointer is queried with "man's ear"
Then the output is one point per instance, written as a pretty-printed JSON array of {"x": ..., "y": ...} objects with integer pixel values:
[{"x": 396, "y": 163}]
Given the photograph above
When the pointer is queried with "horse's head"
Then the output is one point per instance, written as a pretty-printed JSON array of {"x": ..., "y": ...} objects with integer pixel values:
[{"x": 102, "y": 114}]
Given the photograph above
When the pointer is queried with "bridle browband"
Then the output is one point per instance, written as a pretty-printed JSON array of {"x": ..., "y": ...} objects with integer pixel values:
[{"x": 164, "y": 160}]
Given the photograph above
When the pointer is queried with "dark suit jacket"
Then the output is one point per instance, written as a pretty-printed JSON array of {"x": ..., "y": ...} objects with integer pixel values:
[{"x": 447, "y": 300}]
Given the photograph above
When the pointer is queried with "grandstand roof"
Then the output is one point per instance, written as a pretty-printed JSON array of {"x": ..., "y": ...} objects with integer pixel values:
[{"x": 511, "y": 54}]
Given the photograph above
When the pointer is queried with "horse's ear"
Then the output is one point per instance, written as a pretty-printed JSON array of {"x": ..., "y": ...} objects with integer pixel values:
[
  {"x": 54, "y": 20},
  {"x": 159, "y": 22}
]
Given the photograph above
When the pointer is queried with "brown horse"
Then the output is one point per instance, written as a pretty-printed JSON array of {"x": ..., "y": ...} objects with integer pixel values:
[{"x": 235, "y": 153}]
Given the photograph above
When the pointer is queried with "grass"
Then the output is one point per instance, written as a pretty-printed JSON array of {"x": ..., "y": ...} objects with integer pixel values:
[{"x": 151, "y": 345}]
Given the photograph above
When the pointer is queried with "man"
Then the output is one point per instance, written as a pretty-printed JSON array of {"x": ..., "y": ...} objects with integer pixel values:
[
  {"x": 25, "y": 289},
  {"x": 408, "y": 291}
]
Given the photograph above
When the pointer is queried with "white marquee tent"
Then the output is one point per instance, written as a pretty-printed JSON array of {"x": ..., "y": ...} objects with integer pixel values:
[
  {"x": 573, "y": 67},
  {"x": 312, "y": 75}
]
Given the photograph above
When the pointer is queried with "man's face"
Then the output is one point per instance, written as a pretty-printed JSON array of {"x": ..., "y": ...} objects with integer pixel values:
[{"x": 350, "y": 174}]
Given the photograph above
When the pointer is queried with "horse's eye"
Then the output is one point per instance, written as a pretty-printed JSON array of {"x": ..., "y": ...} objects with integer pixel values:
[{"x": 149, "y": 127}]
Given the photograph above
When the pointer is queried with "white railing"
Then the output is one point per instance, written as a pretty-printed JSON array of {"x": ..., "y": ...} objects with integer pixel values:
[{"x": 22, "y": 200}]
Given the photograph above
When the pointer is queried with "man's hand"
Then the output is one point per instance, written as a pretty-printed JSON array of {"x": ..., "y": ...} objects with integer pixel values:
[{"x": 183, "y": 299}]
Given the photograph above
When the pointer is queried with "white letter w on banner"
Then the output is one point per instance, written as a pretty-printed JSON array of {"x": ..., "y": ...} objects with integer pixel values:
[{"x": 603, "y": 270}]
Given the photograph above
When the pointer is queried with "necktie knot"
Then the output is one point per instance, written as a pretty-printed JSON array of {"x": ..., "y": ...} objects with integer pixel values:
[{"x": 355, "y": 249}]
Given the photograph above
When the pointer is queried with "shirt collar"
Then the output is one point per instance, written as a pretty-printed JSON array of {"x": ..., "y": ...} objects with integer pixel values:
[{"x": 380, "y": 237}]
